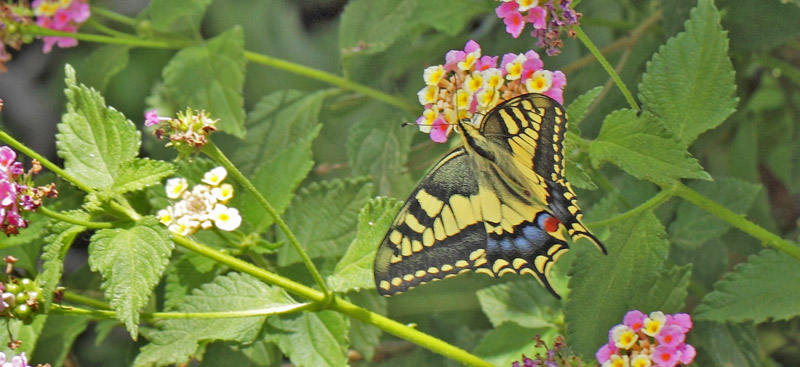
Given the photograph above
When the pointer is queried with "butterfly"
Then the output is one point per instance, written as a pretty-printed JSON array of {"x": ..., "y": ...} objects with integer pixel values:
[{"x": 497, "y": 205}]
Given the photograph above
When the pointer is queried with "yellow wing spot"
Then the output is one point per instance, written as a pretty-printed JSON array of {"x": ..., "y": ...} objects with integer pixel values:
[
  {"x": 433, "y": 270},
  {"x": 396, "y": 237},
  {"x": 529, "y": 139},
  {"x": 438, "y": 229},
  {"x": 558, "y": 254},
  {"x": 447, "y": 267},
  {"x": 505, "y": 271},
  {"x": 547, "y": 269},
  {"x": 511, "y": 126},
  {"x": 408, "y": 277},
  {"x": 396, "y": 259},
  {"x": 518, "y": 263},
  {"x": 555, "y": 147},
  {"x": 572, "y": 209},
  {"x": 429, "y": 203},
  {"x": 450, "y": 275},
  {"x": 396, "y": 281},
  {"x": 559, "y": 111},
  {"x": 541, "y": 111},
  {"x": 477, "y": 254},
  {"x": 416, "y": 246},
  {"x": 557, "y": 158},
  {"x": 540, "y": 262},
  {"x": 427, "y": 237},
  {"x": 556, "y": 137},
  {"x": 479, "y": 262},
  {"x": 420, "y": 273},
  {"x": 499, "y": 264},
  {"x": 578, "y": 216},
  {"x": 449, "y": 221},
  {"x": 491, "y": 206},
  {"x": 462, "y": 263},
  {"x": 553, "y": 249},
  {"x": 554, "y": 176},
  {"x": 412, "y": 222},
  {"x": 462, "y": 271},
  {"x": 526, "y": 104},
  {"x": 499, "y": 229},
  {"x": 475, "y": 201},
  {"x": 557, "y": 126},
  {"x": 485, "y": 271},
  {"x": 385, "y": 285},
  {"x": 557, "y": 169},
  {"x": 531, "y": 272},
  {"x": 532, "y": 116},
  {"x": 569, "y": 196},
  {"x": 405, "y": 247},
  {"x": 462, "y": 208}
]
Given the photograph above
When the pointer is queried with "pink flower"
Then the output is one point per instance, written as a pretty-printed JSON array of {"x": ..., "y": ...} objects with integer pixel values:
[
  {"x": 80, "y": 11},
  {"x": 506, "y": 8},
  {"x": 7, "y": 156},
  {"x": 671, "y": 335},
  {"x": 507, "y": 58},
  {"x": 665, "y": 356},
  {"x": 61, "y": 18},
  {"x": 537, "y": 16},
  {"x": 452, "y": 58},
  {"x": 634, "y": 319},
  {"x": 486, "y": 62},
  {"x": 151, "y": 118},
  {"x": 556, "y": 91},
  {"x": 533, "y": 62},
  {"x": 515, "y": 23},
  {"x": 604, "y": 353},
  {"x": 687, "y": 354},
  {"x": 440, "y": 130},
  {"x": 682, "y": 320}
]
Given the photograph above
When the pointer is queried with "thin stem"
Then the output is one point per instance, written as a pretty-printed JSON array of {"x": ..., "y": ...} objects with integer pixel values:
[
  {"x": 44, "y": 161},
  {"x": 113, "y": 16},
  {"x": 386, "y": 324},
  {"x": 77, "y": 311},
  {"x": 129, "y": 41},
  {"x": 69, "y": 219},
  {"x": 655, "y": 201},
  {"x": 216, "y": 154},
  {"x": 767, "y": 238},
  {"x": 610, "y": 70},
  {"x": 107, "y": 30},
  {"x": 77, "y": 298}
]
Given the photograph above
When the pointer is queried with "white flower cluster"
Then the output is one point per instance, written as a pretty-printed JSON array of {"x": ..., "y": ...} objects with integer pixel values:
[{"x": 202, "y": 207}]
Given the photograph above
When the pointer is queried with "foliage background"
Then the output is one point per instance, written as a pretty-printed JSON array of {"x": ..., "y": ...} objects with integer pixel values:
[{"x": 753, "y": 156}]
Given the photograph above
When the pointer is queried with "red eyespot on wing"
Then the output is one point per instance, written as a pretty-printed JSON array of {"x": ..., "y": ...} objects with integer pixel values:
[{"x": 551, "y": 224}]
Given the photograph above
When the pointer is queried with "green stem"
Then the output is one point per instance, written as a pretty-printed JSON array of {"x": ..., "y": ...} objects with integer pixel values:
[
  {"x": 109, "y": 31},
  {"x": 767, "y": 238},
  {"x": 216, "y": 154},
  {"x": 44, "y": 161},
  {"x": 77, "y": 298},
  {"x": 610, "y": 70},
  {"x": 331, "y": 79},
  {"x": 69, "y": 219},
  {"x": 108, "y": 314},
  {"x": 113, "y": 16},
  {"x": 393, "y": 327},
  {"x": 128, "y": 41},
  {"x": 654, "y": 202}
]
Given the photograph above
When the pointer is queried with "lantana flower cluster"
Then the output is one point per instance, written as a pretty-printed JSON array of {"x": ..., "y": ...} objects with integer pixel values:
[
  {"x": 16, "y": 361},
  {"x": 648, "y": 340},
  {"x": 187, "y": 133},
  {"x": 557, "y": 356},
  {"x": 548, "y": 18},
  {"x": 60, "y": 15},
  {"x": 202, "y": 207},
  {"x": 470, "y": 83},
  {"x": 11, "y": 17},
  {"x": 17, "y": 191}
]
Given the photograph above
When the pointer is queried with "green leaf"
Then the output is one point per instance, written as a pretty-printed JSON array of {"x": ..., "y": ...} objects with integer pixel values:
[
  {"x": 450, "y": 16},
  {"x": 323, "y": 218},
  {"x": 188, "y": 272},
  {"x": 55, "y": 249},
  {"x": 508, "y": 342},
  {"x": 668, "y": 291},
  {"x": 131, "y": 261},
  {"x": 369, "y": 26},
  {"x": 355, "y": 270},
  {"x": 604, "y": 288},
  {"x": 313, "y": 338},
  {"x": 57, "y": 336},
  {"x": 278, "y": 120},
  {"x": 523, "y": 302},
  {"x": 693, "y": 226},
  {"x": 177, "y": 15},
  {"x": 178, "y": 340},
  {"x": 141, "y": 173},
  {"x": 378, "y": 147},
  {"x": 27, "y": 334},
  {"x": 640, "y": 146},
  {"x": 277, "y": 178},
  {"x": 260, "y": 353},
  {"x": 765, "y": 287},
  {"x": 94, "y": 140},
  {"x": 577, "y": 109},
  {"x": 578, "y": 177},
  {"x": 365, "y": 337},
  {"x": 689, "y": 83},
  {"x": 725, "y": 345},
  {"x": 211, "y": 77},
  {"x": 104, "y": 62}
]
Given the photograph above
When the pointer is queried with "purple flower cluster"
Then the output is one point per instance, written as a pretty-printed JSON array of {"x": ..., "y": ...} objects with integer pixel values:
[
  {"x": 645, "y": 340},
  {"x": 548, "y": 20},
  {"x": 16, "y": 361},
  {"x": 17, "y": 192},
  {"x": 557, "y": 356},
  {"x": 60, "y": 15}
]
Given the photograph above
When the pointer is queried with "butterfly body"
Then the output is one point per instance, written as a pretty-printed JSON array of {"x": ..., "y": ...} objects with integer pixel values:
[{"x": 497, "y": 205}]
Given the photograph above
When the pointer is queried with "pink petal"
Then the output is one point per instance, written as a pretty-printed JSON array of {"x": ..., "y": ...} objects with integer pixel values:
[
  {"x": 514, "y": 24},
  {"x": 80, "y": 11},
  {"x": 555, "y": 93},
  {"x": 687, "y": 354},
  {"x": 452, "y": 58},
  {"x": 537, "y": 16},
  {"x": 504, "y": 9},
  {"x": 486, "y": 62},
  {"x": 471, "y": 46},
  {"x": 604, "y": 353}
]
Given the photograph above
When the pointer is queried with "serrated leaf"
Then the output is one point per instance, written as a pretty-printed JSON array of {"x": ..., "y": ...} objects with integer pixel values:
[
  {"x": 693, "y": 226},
  {"x": 450, "y": 16},
  {"x": 177, "y": 15},
  {"x": 609, "y": 286},
  {"x": 278, "y": 120},
  {"x": 577, "y": 109},
  {"x": 508, "y": 342},
  {"x": 365, "y": 337},
  {"x": 668, "y": 291},
  {"x": 578, "y": 177},
  {"x": 313, "y": 338},
  {"x": 378, "y": 147},
  {"x": 131, "y": 261},
  {"x": 765, "y": 287},
  {"x": 177, "y": 340},
  {"x": 643, "y": 148},
  {"x": 57, "y": 336},
  {"x": 103, "y": 63},
  {"x": 94, "y": 140},
  {"x": 689, "y": 83},
  {"x": 368, "y": 26},
  {"x": 355, "y": 269},
  {"x": 278, "y": 177},
  {"x": 726, "y": 344},
  {"x": 523, "y": 302},
  {"x": 211, "y": 77},
  {"x": 323, "y": 218},
  {"x": 55, "y": 249},
  {"x": 188, "y": 272},
  {"x": 141, "y": 173}
]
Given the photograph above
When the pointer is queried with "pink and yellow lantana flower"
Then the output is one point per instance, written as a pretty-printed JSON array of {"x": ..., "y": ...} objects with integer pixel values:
[{"x": 648, "y": 340}]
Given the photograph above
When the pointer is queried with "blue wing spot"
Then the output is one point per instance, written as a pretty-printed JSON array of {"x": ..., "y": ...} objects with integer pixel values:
[
  {"x": 535, "y": 234},
  {"x": 491, "y": 246},
  {"x": 506, "y": 246},
  {"x": 522, "y": 244}
]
